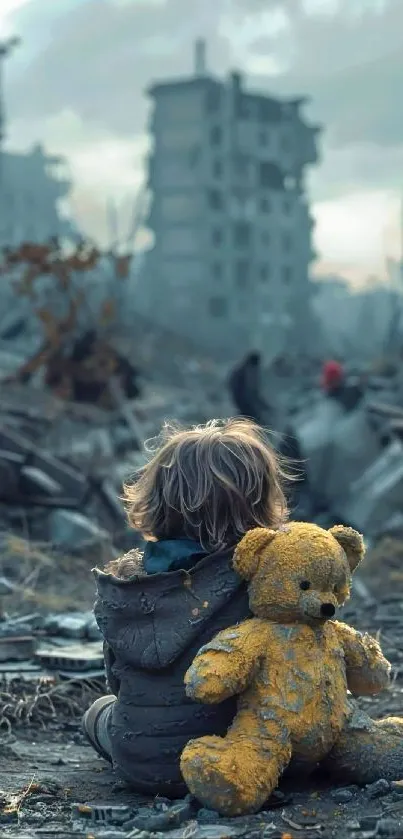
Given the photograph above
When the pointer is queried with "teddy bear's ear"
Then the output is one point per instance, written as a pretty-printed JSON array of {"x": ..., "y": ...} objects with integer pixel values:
[
  {"x": 248, "y": 552},
  {"x": 352, "y": 543}
]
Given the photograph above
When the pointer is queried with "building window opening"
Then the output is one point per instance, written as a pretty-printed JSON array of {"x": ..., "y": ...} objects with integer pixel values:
[
  {"x": 263, "y": 138},
  {"x": 242, "y": 274},
  {"x": 217, "y": 270},
  {"x": 217, "y": 237},
  {"x": 216, "y": 135},
  {"x": 213, "y": 100},
  {"x": 215, "y": 199},
  {"x": 217, "y": 169},
  {"x": 264, "y": 273},
  {"x": 271, "y": 176},
  {"x": 218, "y": 307},
  {"x": 264, "y": 205},
  {"x": 241, "y": 165},
  {"x": 242, "y": 234},
  {"x": 287, "y": 242},
  {"x": 287, "y": 275}
]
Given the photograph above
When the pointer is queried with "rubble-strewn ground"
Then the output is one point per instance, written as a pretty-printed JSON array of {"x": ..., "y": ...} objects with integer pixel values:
[{"x": 47, "y": 767}]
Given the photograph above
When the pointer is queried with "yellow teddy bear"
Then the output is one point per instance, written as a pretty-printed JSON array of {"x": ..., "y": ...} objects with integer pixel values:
[{"x": 291, "y": 666}]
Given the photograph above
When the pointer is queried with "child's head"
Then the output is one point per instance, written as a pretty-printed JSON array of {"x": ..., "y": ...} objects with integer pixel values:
[{"x": 211, "y": 483}]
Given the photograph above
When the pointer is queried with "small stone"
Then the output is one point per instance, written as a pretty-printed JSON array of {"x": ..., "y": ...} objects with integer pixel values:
[
  {"x": 162, "y": 803},
  {"x": 71, "y": 625},
  {"x": 342, "y": 796},
  {"x": 397, "y": 786},
  {"x": 378, "y": 789},
  {"x": 206, "y": 816},
  {"x": 8, "y": 815},
  {"x": 172, "y": 817}
]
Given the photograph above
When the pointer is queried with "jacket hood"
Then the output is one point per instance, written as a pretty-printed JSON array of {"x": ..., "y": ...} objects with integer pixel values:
[
  {"x": 150, "y": 621},
  {"x": 171, "y": 555}
]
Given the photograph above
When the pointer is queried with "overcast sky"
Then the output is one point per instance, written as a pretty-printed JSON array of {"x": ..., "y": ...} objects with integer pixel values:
[{"x": 77, "y": 83}]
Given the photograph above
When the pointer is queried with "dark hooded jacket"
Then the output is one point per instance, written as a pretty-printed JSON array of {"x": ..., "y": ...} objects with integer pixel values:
[{"x": 153, "y": 627}]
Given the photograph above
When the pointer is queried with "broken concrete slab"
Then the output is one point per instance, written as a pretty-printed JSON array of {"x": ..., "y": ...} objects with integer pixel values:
[
  {"x": 73, "y": 482},
  {"x": 6, "y": 587},
  {"x": 74, "y": 658},
  {"x": 17, "y": 648},
  {"x": 25, "y": 669},
  {"x": 314, "y": 431},
  {"x": 36, "y": 480},
  {"x": 377, "y": 494},
  {"x": 71, "y": 530},
  {"x": 354, "y": 447},
  {"x": 69, "y": 625}
]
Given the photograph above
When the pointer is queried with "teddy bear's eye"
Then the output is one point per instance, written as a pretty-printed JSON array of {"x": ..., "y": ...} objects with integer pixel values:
[{"x": 305, "y": 585}]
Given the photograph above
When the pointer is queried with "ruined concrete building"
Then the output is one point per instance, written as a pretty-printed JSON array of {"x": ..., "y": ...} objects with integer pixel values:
[
  {"x": 232, "y": 229},
  {"x": 34, "y": 187}
]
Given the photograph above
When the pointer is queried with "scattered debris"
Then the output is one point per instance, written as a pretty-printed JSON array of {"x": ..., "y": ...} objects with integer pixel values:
[{"x": 62, "y": 464}]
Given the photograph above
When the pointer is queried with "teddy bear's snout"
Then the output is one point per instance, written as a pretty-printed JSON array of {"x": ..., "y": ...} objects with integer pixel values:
[
  {"x": 316, "y": 608},
  {"x": 328, "y": 610}
]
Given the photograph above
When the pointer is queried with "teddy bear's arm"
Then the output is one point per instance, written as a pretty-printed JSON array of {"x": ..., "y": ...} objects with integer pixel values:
[
  {"x": 367, "y": 669},
  {"x": 224, "y": 667}
]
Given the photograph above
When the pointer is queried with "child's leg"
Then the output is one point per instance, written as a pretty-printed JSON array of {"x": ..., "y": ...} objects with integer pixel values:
[{"x": 95, "y": 725}]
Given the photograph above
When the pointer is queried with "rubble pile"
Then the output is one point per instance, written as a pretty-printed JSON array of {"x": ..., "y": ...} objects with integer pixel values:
[
  {"x": 62, "y": 465},
  {"x": 48, "y": 497},
  {"x": 36, "y": 647},
  {"x": 354, "y": 457}
]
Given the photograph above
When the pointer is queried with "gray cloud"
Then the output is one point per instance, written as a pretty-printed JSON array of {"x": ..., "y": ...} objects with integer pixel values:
[
  {"x": 102, "y": 56},
  {"x": 351, "y": 66},
  {"x": 99, "y": 56}
]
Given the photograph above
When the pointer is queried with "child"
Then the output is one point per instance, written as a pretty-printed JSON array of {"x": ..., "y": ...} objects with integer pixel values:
[{"x": 201, "y": 491}]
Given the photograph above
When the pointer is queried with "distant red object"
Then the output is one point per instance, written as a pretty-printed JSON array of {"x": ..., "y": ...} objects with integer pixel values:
[{"x": 332, "y": 375}]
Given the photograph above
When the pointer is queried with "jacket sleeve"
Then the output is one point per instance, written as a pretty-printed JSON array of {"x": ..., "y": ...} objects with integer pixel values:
[{"x": 111, "y": 680}]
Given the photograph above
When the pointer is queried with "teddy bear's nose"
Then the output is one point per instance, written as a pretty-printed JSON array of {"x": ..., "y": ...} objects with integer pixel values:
[{"x": 327, "y": 610}]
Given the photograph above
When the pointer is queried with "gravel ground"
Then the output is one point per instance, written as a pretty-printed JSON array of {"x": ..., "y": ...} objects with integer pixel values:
[{"x": 46, "y": 767}]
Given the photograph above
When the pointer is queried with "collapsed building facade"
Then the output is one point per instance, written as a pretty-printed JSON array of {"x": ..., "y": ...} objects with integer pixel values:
[
  {"x": 231, "y": 221},
  {"x": 34, "y": 197}
]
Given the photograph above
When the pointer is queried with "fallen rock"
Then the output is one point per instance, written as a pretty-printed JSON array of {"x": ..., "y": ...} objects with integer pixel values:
[
  {"x": 70, "y": 530},
  {"x": 342, "y": 796},
  {"x": 206, "y": 816},
  {"x": 17, "y": 648},
  {"x": 72, "y": 625},
  {"x": 378, "y": 789},
  {"x": 397, "y": 787},
  {"x": 172, "y": 817}
]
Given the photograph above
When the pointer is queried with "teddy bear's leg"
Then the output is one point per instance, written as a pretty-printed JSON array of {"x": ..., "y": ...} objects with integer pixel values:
[
  {"x": 368, "y": 750},
  {"x": 236, "y": 774}
]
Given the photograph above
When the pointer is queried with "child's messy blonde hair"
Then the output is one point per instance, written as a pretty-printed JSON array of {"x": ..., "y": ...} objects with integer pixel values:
[{"x": 211, "y": 483}]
